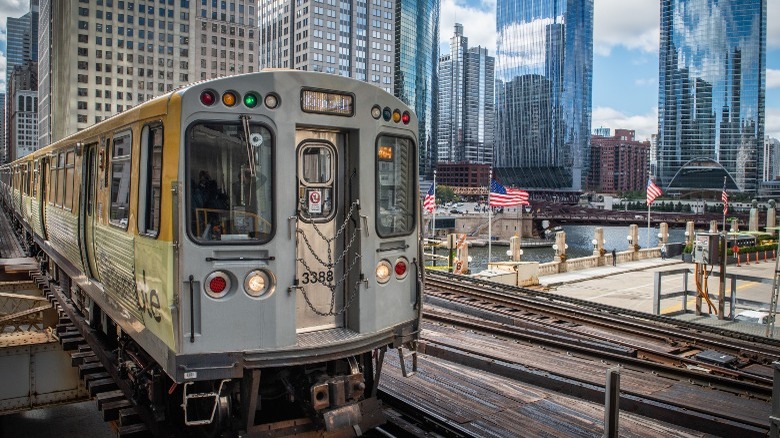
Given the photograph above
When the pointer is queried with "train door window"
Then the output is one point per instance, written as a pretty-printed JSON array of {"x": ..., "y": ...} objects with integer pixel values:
[
  {"x": 36, "y": 173},
  {"x": 52, "y": 191},
  {"x": 395, "y": 186},
  {"x": 70, "y": 163},
  {"x": 24, "y": 180},
  {"x": 60, "y": 180},
  {"x": 230, "y": 195},
  {"x": 316, "y": 185},
  {"x": 150, "y": 181},
  {"x": 120, "y": 179}
]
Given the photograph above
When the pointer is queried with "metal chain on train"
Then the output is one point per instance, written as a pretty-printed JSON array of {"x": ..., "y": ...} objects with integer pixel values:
[{"x": 330, "y": 264}]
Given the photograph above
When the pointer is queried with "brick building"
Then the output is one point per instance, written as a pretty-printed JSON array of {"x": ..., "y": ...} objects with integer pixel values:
[{"x": 618, "y": 163}]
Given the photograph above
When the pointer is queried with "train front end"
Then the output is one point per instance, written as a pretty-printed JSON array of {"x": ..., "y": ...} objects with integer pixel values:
[{"x": 297, "y": 266}]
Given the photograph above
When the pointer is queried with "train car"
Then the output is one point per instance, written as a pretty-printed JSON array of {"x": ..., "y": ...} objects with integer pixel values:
[{"x": 250, "y": 243}]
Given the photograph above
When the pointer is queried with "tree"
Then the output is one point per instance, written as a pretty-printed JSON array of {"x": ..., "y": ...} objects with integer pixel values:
[{"x": 445, "y": 194}]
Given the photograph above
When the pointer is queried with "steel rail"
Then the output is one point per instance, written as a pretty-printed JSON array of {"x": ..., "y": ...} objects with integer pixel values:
[{"x": 624, "y": 320}]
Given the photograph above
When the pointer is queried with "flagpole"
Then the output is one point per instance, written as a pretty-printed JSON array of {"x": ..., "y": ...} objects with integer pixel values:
[
  {"x": 724, "y": 212},
  {"x": 648, "y": 222},
  {"x": 433, "y": 220},
  {"x": 490, "y": 220}
]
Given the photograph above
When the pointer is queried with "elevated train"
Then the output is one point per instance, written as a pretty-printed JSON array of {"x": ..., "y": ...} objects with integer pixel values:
[{"x": 249, "y": 243}]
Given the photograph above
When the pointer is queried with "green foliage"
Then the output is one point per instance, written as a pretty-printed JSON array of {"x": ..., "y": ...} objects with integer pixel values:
[
  {"x": 445, "y": 194},
  {"x": 688, "y": 248}
]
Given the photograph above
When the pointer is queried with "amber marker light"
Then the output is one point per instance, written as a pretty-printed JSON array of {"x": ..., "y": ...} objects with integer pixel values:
[
  {"x": 229, "y": 98},
  {"x": 396, "y": 116}
]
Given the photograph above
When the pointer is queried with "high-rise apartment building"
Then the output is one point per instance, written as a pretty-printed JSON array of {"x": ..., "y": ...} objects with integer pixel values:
[
  {"x": 22, "y": 110},
  {"x": 712, "y": 66},
  {"x": 354, "y": 39},
  {"x": 101, "y": 57},
  {"x": 392, "y": 44},
  {"x": 544, "y": 65},
  {"x": 771, "y": 168},
  {"x": 466, "y": 106},
  {"x": 619, "y": 162}
]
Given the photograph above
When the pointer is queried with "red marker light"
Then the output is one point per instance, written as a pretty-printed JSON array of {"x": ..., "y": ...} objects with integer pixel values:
[
  {"x": 400, "y": 268},
  {"x": 208, "y": 98},
  {"x": 406, "y": 118},
  {"x": 217, "y": 285}
]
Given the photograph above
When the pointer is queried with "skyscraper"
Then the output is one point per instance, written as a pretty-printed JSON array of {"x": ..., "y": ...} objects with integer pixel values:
[
  {"x": 353, "y": 39},
  {"x": 416, "y": 80},
  {"x": 392, "y": 44},
  {"x": 466, "y": 105},
  {"x": 712, "y": 63},
  {"x": 101, "y": 58},
  {"x": 22, "y": 42},
  {"x": 544, "y": 65}
]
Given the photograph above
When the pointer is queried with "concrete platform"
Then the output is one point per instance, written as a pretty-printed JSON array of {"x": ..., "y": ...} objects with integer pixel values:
[{"x": 630, "y": 286}]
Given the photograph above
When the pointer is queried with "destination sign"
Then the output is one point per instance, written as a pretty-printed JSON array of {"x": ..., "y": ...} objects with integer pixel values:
[{"x": 327, "y": 102}]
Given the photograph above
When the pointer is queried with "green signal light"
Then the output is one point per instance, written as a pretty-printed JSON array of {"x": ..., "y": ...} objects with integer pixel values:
[{"x": 250, "y": 100}]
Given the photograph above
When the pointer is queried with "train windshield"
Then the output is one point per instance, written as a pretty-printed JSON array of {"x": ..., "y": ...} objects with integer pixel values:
[
  {"x": 230, "y": 185},
  {"x": 396, "y": 185}
]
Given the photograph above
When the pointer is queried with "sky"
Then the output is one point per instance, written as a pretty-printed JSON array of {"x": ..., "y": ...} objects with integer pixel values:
[{"x": 625, "y": 56}]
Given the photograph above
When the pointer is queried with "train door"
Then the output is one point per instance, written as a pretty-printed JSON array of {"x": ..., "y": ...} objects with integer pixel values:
[
  {"x": 320, "y": 230},
  {"x": 87, "y": 210}
]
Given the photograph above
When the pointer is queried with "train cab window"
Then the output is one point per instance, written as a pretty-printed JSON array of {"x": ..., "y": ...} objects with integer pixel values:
[
  {"x": 150, "y": 181},
  {"x": 36, "y": 172},
  {"x": 230, "y": 189},
  {"x": 395, "y": 186},
  {"x": 120, "y": 179}
]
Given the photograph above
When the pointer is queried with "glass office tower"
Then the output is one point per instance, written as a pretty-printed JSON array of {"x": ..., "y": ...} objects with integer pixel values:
[
  {"x": 416, "y": 80},
  {"x": 544, "y": 65},
  {"x": 711, "y": 93}
]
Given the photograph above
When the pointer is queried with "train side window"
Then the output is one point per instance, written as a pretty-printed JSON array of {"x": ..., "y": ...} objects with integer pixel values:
[
  {"x": 60, "y": 180},
  {"x": 120, "y": 179},
  {"x": 150, "y": 181},
  {"x": 36, "y": 172},
  {"x": 70, "y": 163},
  {"x": 395, "y": 186},
  {"x": 52, "y": 190}
]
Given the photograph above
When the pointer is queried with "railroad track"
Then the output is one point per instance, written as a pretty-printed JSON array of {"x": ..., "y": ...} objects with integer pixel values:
[
  {"x": 97, "y": 369},
  {"x": 522, "y": 304}
]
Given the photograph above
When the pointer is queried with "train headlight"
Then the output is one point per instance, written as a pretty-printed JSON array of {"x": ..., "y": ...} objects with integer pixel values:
[
  {"x": 376, "y": 112},
  {"x": 259, "y": 283},
  {"x": 217, "y": 284},
  {"x": 401, "y": 268},
  {"x": 383, "y": 270}
]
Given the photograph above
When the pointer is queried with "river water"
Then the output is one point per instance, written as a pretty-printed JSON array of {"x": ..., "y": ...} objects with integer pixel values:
[{"x": 579, "y": 239}]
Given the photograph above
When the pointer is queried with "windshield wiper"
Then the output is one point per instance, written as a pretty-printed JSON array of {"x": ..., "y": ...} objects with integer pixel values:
[{"x": 249, "y": 152}]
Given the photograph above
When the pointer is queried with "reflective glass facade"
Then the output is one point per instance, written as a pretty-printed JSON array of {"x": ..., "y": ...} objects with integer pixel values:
[
  {"x": 416, "y": 80},
  {"x": 544, "y": 66},
  {"x": 466, "y": 103},
  {"x": 711, "y": 89}
]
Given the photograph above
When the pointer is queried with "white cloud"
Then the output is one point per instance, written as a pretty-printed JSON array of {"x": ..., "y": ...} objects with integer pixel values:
[
  {"x": 11, "y": 8},
  {"x": 772, "y": 78},
  {"x": 643, "y": 124},
  {"x": 772, "y": 25},
  {"x": 772, "y": 122},
  {"x": 633, "y": 24},
  {"x": 646, "y": 82},
  {"x": 479, "y": 24}
]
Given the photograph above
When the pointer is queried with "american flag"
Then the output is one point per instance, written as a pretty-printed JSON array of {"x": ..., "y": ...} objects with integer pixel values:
[
  {"x": 501, "y": 197},
  {"x": 725, "y": 198},
  {"x": 429, "y": 203},
  {"x": 653, "y": 191}
]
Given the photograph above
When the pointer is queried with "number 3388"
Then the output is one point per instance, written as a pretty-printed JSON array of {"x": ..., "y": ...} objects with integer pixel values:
[{"x": 317, "y": 277}]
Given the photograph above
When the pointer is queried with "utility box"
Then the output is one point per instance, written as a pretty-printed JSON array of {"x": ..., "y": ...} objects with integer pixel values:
[{"x": 705, "y": 249}]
